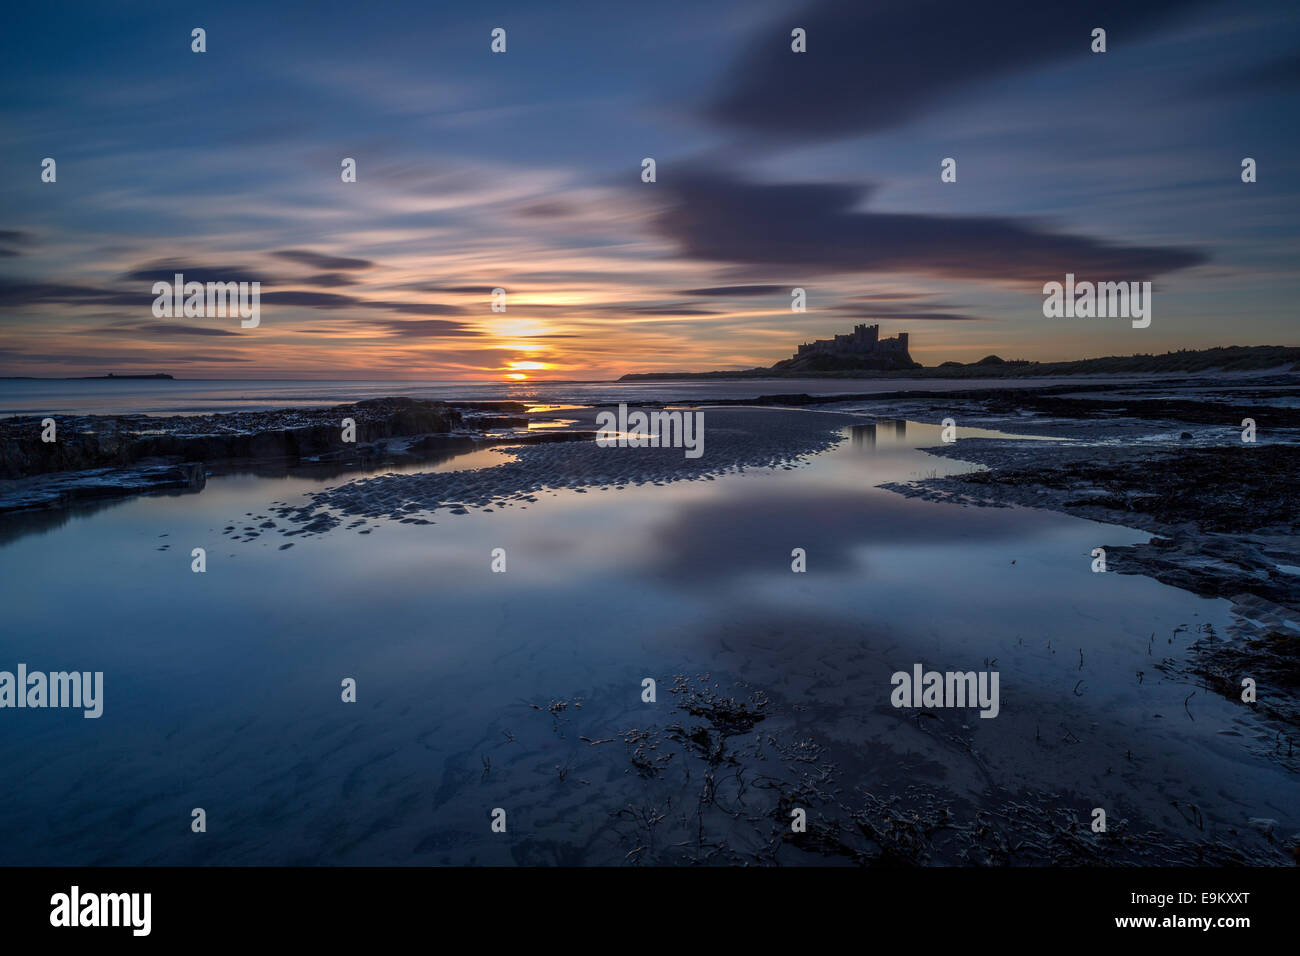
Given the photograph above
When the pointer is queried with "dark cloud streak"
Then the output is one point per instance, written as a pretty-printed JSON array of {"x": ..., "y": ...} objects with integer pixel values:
[
  {"x": 737, "y": 290},
  {"x": 876, "y": 66},
  {"x": 318, "y": 261},
  {"x": 818, "y": 228}
]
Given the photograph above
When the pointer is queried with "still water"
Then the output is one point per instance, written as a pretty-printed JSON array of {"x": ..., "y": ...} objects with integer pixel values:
[{"x": 222, "y": 689}]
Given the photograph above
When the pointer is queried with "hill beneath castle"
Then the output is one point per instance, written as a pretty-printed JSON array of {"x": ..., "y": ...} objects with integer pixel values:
[{"x": 824, "y": 365}]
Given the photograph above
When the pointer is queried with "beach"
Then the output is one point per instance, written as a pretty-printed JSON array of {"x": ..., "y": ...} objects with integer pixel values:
[{"x": 515, "y": 681}]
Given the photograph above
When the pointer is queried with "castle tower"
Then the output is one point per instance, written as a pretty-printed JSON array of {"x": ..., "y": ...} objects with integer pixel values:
[{"x": 902, "y": 341}]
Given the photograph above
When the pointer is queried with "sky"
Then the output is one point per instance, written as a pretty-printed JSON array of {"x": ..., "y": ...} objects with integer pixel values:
[{"x": 522, "y": 170}]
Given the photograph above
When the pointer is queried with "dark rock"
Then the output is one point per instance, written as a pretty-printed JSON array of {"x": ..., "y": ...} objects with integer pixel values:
[
  {"x": 61, "y": 489},
  {"x": 98, "y": 441}
]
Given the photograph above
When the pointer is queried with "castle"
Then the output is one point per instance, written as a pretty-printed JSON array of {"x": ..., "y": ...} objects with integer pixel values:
[
  {"x": 863, "y": 338},
  {"x": 860, "y": 349}
]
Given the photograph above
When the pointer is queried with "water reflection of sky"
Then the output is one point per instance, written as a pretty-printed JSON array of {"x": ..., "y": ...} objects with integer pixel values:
[{"x": 222, "y": 689}]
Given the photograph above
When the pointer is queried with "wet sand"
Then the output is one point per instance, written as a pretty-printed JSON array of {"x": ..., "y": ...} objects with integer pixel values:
[{"x": 522, "y": 690}]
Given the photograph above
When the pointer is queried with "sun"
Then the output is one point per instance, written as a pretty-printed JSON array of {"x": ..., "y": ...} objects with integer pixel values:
[{"x": 519, "y": 368}]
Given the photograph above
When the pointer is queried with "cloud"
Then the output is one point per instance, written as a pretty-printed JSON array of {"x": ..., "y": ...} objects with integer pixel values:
[
  {"x": 164, "y": 270},
  {"x": 318, "y": 261},
  {"x": 329, "y": 280},
  {"x": 425, "y": 328},
  {"x": 891, "y": 311},
  {"x": 19, "y": 294},
  {"x": 415, "y": 308},
  {"x": 164, "y": 328},
  {"x": 737, "y": 290},
  {"x": 818, "y": 228},
  {"x": 119, "y": 361},
  {"x": 651, "y": 310},
  {"x": 1276, "y": 76},
  {"x": 484, "y": 290},
  {"x": 546, "y": 209},
  {"x": 315, "y": 300},
  {"x": 334, "y": 300},
  {"x": 14, "y": 237},
  {"x": 914, "y": 316},
  {"x": 875, "y": 66}
]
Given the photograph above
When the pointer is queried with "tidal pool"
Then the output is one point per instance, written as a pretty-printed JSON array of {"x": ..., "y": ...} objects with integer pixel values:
[{"x": 479, "y": 690}]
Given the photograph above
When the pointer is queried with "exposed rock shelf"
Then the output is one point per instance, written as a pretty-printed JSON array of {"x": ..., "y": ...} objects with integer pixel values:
[{"x": 106, "y": 456}]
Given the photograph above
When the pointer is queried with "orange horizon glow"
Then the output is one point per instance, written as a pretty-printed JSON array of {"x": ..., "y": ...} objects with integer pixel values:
[{"x": 293, "y": 343}]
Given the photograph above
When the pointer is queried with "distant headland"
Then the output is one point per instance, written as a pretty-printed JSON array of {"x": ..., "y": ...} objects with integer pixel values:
[
  {"x": 863, "y": 354},
  {"x": 152, "y": 376}
]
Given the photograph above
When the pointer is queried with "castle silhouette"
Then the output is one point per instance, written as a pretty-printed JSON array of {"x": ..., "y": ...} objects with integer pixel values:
[{"x": 860, "y": 349}]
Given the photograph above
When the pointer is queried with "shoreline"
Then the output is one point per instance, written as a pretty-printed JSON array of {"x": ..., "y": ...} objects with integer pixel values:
[
  {"x": 780, "y": 702},
  {"x": 105, "y": 456},
  {"x": 113, "y": 456},
  {"x": 1160, "y": 456},
  {"x": 1277, "y": 358}
]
